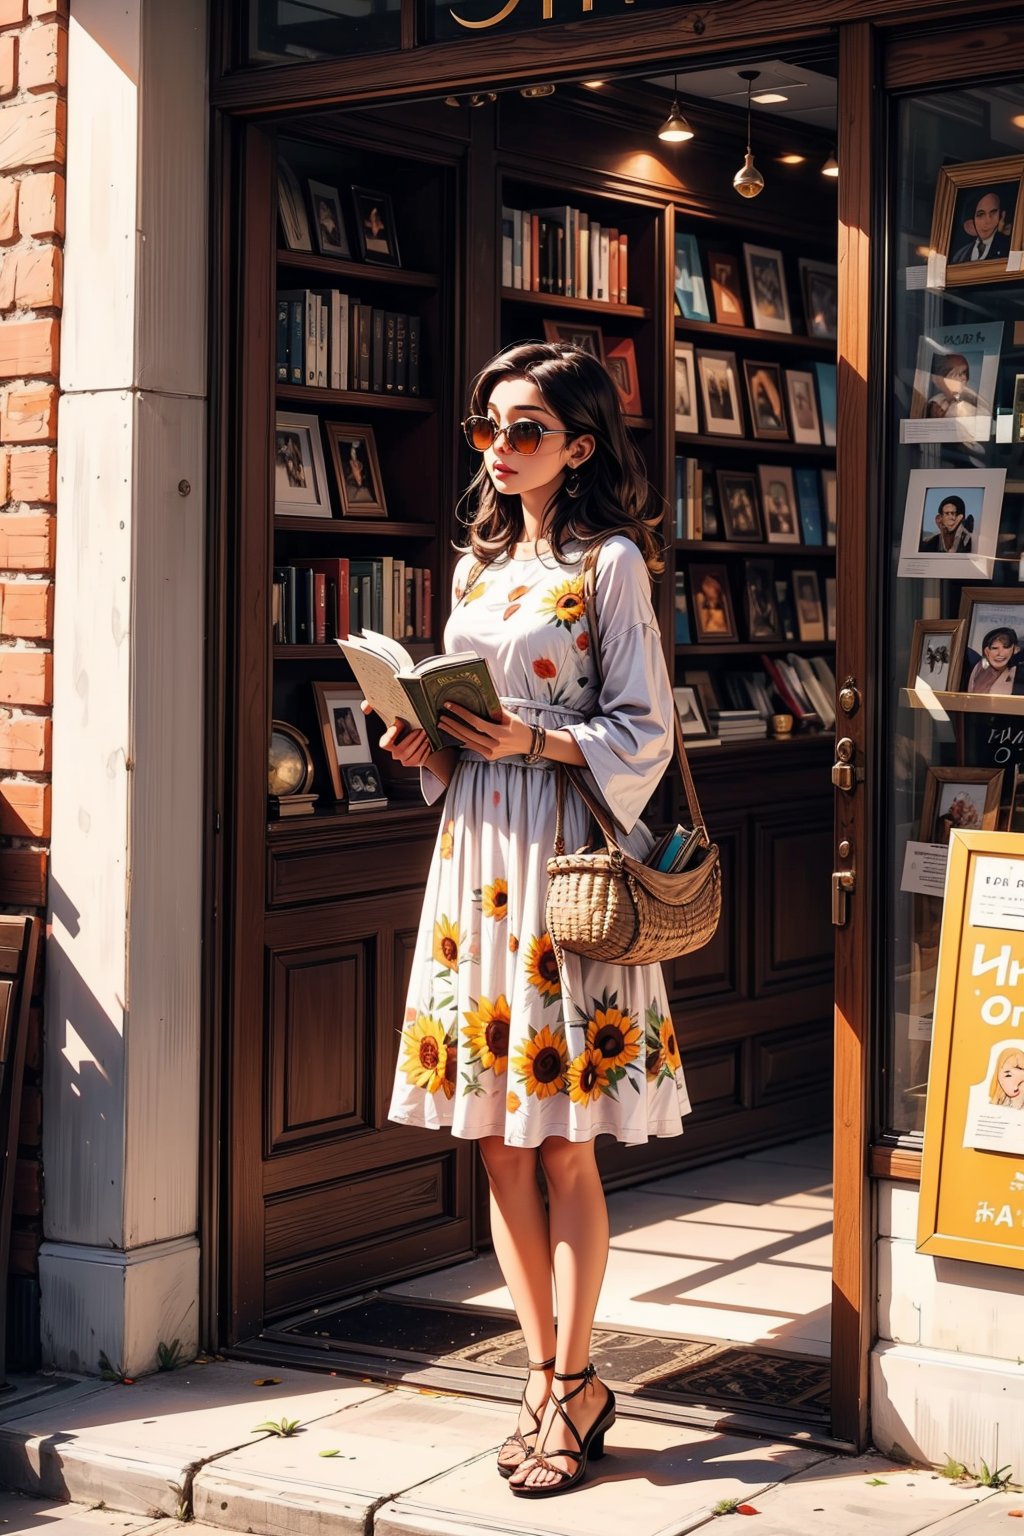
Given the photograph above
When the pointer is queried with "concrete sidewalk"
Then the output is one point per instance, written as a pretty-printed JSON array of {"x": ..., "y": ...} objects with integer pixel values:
[{"x": 136, "y": 1460}]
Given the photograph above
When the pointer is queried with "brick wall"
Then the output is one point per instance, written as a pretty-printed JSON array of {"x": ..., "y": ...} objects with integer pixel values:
[{"x": 33, "y": 91}]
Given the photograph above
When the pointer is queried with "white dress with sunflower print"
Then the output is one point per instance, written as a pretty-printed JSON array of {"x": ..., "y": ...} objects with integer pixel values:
[{"x": 497, "y": 1039}]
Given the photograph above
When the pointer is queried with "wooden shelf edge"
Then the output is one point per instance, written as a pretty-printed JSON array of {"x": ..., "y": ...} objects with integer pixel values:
[
  {"x": 361, "y": 525},
  {"x": 356, "y": 397},
  {"x": 964, "y": 703},
  {"x": 740, "y": 547},
  {"x": 559, "y": 301},
  {"x": 895, "y": 1163},
  {"x": 750, "y": 444},
  {"x": 750, "y": 333},
  {"x": 754, "y": 647},
  {"x": 360, "y": 270}
]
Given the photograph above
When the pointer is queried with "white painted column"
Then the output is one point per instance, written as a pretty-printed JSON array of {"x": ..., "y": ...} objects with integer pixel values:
[{"x": 120, "y": 1265}]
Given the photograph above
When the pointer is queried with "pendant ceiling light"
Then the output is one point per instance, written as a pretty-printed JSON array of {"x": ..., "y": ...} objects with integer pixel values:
[
  {"x": 675, "y": 129},
  {"x": 748, "y": 180},
  {"x": 831, "y": 166}
]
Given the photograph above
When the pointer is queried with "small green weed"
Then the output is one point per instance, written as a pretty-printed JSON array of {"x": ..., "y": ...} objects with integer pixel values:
[
  {"x": 110, "y": 1372},
  {"x": 953, "y": 1469},
  {"x": 725, "y": 1507},
  {"x": 283, "y": 1428},
  {"x": 997, "y": 1478},
  {"x": 168, "y": 1356}
]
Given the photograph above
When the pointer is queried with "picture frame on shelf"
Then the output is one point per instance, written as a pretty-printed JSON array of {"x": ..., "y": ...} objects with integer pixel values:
[
  {"x": 291, "y": 209},
  {"x": 955, "y": 384},
  {"x": 819, "y": 283},
  {"x": 810, "y": 616},
  {"x": 574, "y": 333},
  {"x": 343, "y": 727},
  {"x": 328, "y": 220},
  {"x": 363, "y": 787},
  {"x": 951, "y": 522},
  {"x": 738, "y": 501},
  {"x": 681, "y": 610},
  {"x": 720, "y": 393},
  {"x": 993, "y": 641},
  {"x": 375, "y": 227},
  {"x": 784, "y": 603},
  {"x": 300, "y": 477},
  {"x": 692, "y": 719},
  {"x": 825, "y": 373},
  {"x": 778, "y": 504},
  {"x": 977, "y": 220},
  {"x": 726, "y": 288},
  {"x": 803, "y": 406},
  {"x": 690, "y": 292},
  {"x": 357, "y": 475},
  {"x": 620, "y": 361},
  {"x": 765, "y": 400},
  {"x": 766, "y": 281},
  {"x": 710, "y": 511},
  {"x": 808, "y": 500},
  {"x": 763, "y": 621},
  {"x": 831, "y": 614},
  {"x": 830, "y": 492},
  {"x": 936, "y": 656},
  {"x": 703, "y": 684},
  {"x": 713, "y": 618},
  {"x": 686, "y": 414},
  {"x": 1015, "y": 810},
  {"x": 959, "y": 799}
]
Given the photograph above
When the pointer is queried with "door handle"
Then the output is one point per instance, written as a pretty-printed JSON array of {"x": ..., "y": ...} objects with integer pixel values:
[
  {"x": 845, "y": 774},
  {"x": 843, "y": 882}
]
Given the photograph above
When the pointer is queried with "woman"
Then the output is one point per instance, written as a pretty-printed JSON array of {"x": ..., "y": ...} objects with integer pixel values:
[
  {"x": 535, "y": 1054},
  {"x": 1006, "y": 1086},
  {"x": 996, "y": 672}
]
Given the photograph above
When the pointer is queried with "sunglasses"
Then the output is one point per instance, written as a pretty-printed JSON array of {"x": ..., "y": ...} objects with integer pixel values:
[{"x": 522, "y": 436}]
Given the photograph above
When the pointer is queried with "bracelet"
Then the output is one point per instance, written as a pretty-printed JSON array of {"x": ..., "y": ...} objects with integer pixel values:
[{"x": 538, "y": 740}]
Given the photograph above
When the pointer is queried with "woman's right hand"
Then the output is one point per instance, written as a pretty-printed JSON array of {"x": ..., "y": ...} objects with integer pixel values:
[{"x": 409, "y": 747}]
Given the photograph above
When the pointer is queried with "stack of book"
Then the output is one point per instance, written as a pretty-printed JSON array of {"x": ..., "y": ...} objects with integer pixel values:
[
  {"x": 805, "y": 688},
  {"x": 329, "y": 340},
  {"x": 738, "y": 724},
  {"x": 563, "y": 250},
  {"x": 319, "y": 601}
]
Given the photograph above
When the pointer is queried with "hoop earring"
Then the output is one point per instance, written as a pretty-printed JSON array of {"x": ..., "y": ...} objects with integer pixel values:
[{"x": 572, "y": 483}]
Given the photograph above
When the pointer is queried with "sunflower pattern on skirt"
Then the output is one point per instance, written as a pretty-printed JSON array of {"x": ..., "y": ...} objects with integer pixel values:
[{"x": 502, "y": 1036}]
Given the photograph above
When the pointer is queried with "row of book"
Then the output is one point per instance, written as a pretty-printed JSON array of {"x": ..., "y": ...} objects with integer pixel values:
[
  {"x": 318, "y": 601},
  {"x": 329, "y": 340},
  {"x": 563, "y": 250},
  {"x": 801, "y": 686}
]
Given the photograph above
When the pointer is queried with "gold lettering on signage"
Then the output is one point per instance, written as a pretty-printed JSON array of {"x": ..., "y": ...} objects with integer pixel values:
[{"x": 547, "y": 13}]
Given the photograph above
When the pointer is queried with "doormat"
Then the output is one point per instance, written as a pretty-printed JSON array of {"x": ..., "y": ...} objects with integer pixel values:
[{"x": 700, "y": 1372}]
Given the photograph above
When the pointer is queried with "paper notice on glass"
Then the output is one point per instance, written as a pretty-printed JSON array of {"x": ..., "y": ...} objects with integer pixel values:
[
  {"x": 995, "y": 1105},
  {"x": 924, "y": 868},
  {"x": 963, "y": 429},
  {"x": 914, "y": 1026},
  {"x": 916, "y": 277},
  {"x": 1015, "y": 261},
  {"x": 997, "y": 895}
]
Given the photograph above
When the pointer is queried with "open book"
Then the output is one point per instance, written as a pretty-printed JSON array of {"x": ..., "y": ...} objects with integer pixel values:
[{"x": 399, "y": 688}]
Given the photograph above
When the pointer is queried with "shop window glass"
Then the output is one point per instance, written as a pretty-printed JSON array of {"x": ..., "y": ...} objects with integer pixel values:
[
  {"x": 289, "y": 31},
  {"x": 953, "y": 669}
]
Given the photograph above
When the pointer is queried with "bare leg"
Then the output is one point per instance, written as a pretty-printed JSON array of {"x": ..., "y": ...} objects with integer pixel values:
[
  {"x": 578, "y": 1222},
  {"x": 519, "y": 1231}
]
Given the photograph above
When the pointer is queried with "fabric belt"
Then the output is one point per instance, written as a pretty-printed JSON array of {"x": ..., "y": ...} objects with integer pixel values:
[
  {"x": 468, "y": 755},
  {"x": 558, "y": 709}
]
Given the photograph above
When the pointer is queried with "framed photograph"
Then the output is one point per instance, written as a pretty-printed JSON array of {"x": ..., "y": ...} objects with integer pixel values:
[
  {"x": 825, "y": 373},
  {"x": 691, "y": 716},
  {"x": 763, "y": 621},
  {"x": 710, "y": 517},
  {"x": 978, "y": 219},
  {"x": 356, "y": 470},
  {"x": 300, "y": 479},
  {"x": 737, "y": 497},
  {"x": 691, "y": 295},
  {"x": 687, "y": 419},
  {"x": 961, "y": 800},
  {"x": 343, "y": 727},
  {"x": 954, "y": 385},
  {"x": 808, "y": 500},
  {"x": 831, "y": 617},
  {"x": 810, "y": 617},
  {"x": 778, "y": 504},
  {"x": 375, "y": 227},
  {"x": 620, "y": 360},
  {"x": 993, "y": 659},
  {"x": 764, "y": 397},
  {"x": 936, "y": 655},
  {"x": 291, "y": 209},
  {"x": 328, "y": 223},
  {"x": 573, "y": 333},
  {"x": 713, "y": 617},
  {"x": 819, "y": 282},
  {"x": 703, "y": 683},
  {"x": 803, "y": 406},
  {"x": 363, "y": 784},
  {"x": 719, "y": 384},
  {"x": 784, "y": 603},
  {"x": 951, "y": 522},
  {"x": 682, "y": 612},
  {"x": 830, "y": 491},
  {"x": 766, "y": 278},
  {"x": 726, "y": 288},
  {"x": 1015, "y": 817}
]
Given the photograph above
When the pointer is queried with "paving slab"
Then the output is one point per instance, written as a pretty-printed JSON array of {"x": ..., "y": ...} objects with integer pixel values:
[
  {"x": 135, "y": 1447},
  {"x": 384, "y": 1447},
  {"x": 998, "y": 1511},
  {"x": 46, "y": 1517},
  {"x": 846, "y": 1496},
  {"x": 655, "y": 1480}
]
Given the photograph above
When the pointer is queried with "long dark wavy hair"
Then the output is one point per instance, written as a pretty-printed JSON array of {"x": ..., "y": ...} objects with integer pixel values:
[{"x": 614, "y": 496}]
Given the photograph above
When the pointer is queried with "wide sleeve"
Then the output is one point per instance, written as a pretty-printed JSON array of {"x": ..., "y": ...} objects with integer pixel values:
[
  {"x": 628, "y": 742},
  {"x": 431, "y": 787}
]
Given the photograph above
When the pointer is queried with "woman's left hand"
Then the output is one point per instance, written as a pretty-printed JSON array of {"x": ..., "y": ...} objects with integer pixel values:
[{"x": 506, "y": 737}]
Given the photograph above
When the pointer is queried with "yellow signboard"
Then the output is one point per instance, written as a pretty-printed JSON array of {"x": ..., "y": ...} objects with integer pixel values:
[{"x": 972, "y": 1176}]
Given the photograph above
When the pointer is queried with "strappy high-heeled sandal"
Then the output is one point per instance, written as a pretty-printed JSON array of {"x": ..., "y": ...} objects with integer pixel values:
[
  {"x": 591, "y": 1447},
  {"x": 506, "y": 1468}
]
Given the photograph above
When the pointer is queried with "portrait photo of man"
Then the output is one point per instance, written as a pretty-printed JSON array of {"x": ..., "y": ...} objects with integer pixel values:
[{"x": 984, "y": 214}]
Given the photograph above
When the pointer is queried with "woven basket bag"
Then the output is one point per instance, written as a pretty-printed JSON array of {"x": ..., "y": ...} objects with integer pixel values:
[{"x": 605, "y": 904}]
